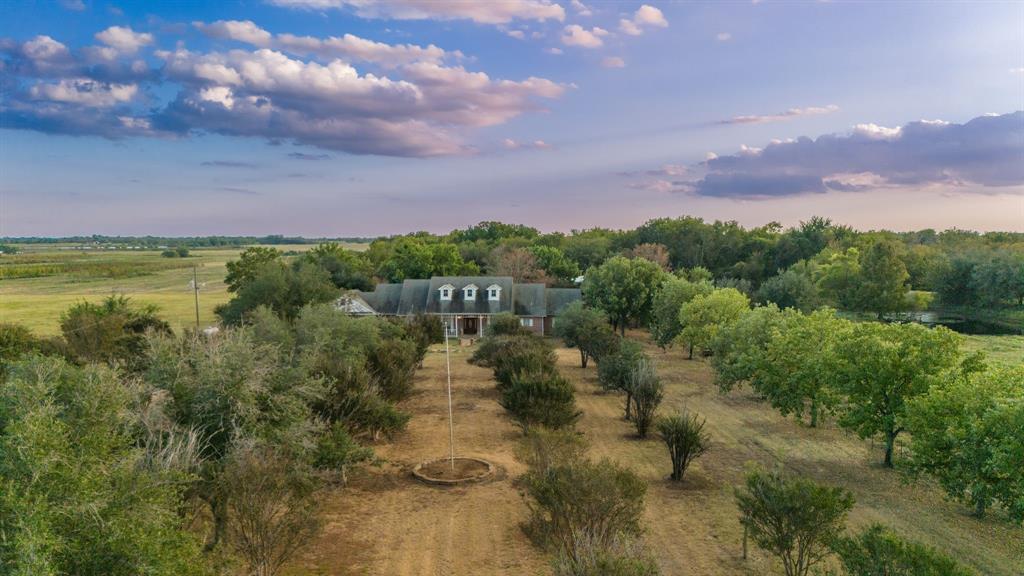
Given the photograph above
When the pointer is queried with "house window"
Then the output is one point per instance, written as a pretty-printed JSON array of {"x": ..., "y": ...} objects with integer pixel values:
[
  {"x": 446, "y": 292},
  {"x": 528, "y": 322},
  {"x": 494, "y": 292},
  {"x": 469, "y": 292}
]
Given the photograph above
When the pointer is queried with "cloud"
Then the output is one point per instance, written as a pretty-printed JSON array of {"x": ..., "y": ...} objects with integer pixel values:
[
  {"x": 581, "y": 8},
  {"x": 613, "y": 62},
  {"x": 227, "y": 164},
  {"x": 787, "y": 115},
  {"x": 1019, "y": 70},
  {"x": 421, "y": 107},
  {"x": 511, "y": 144},
  {"x": 517, "y": 34},
  {"x": 76, "y": 5},
  {"x": 349, "y": 47},
  {"x": 723, "y": 36},
  {"x": 576, "y": 35},
  {"x": 237, "y": 190},
  {"x": 982, "y": 153},
  {"x": 645, "y": 17},
  {"x": 495, "y": 12},
  {"x": 661, "y": 186},
  {"x": 306, "y": 156},
  {"x": 555, "y": 50},
  {"x": 124, "y": 40}
]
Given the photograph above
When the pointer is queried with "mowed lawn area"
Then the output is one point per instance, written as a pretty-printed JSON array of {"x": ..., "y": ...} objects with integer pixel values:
[
  {"x": 385, "y": 523},
  {"x": 143, "y": 275}
]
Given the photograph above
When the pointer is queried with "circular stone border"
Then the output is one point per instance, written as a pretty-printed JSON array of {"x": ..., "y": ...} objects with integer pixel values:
[{"x": 420, "y": 475}]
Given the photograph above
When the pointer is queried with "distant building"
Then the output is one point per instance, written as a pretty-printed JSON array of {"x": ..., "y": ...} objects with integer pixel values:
[{"x": 465, "y": 303}]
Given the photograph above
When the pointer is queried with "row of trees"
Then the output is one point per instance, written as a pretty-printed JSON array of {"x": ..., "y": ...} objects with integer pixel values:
[
  {"x": 885, "y": 380},
  {"x": 119, "y": 452}
]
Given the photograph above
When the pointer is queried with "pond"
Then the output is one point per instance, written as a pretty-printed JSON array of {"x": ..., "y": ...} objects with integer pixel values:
[{"x": 966, "y": 325}]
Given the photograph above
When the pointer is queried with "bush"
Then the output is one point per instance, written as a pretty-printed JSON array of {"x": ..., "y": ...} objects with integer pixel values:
[
  {"x": 169, "y": 253},
  {"x": 15, "y": 341},
  {"x": 793, "y": 518},
  {"x": 684, "y": 436},
  {"x": 623, "y": 557},
  {"x": 878, "y": 551},
  {"x": 113, "y": 331},
  {"x": 602, "y": 500},
  {"x": 393, "y": 366},
  {"x": 529, "y": 355},
  {"x": 539, "y": 399},
  {"x": 647, "y": 392},
  {"x": 505, "y": 324},
  {"x": 543, "y": 449},
  {"x": 181, "y": 251},
  {"x": 337, "y": 450}
]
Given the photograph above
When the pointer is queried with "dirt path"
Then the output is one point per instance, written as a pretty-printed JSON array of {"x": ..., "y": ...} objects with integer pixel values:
[{"x": 388, "y": 524}]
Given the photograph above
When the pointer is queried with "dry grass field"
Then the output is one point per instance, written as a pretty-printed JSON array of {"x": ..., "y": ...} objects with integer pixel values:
[{"x": 385, "y": 523}]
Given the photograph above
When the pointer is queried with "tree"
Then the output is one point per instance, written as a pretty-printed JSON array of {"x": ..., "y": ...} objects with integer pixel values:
[
  {"x": 685, "y": 438},
  {"x": 881, "y": 367},
  {"x": 648, "y": 392},
  {"x": 182, "y": 251},
  {"x": 249, "y": 262},
  {"x": 706, "y": 314},
  {"x": 585, "y": 329},
  {"x": 739, "y": 349},
  {"x": 789, "y": 289},
  {"x": 665, "y": 325},
  {"x": 958, "y": 429},
  {"x": 281, "y": 288},
  {"x": 15, "y": 341},
  {"x": 81, "y": 493},
  {"x": 795, "y": 519},
  {"x": 272, "y": 507},
  {"x": 838, "y": 278},
  {"x": 882, "y": 282},
  {"x": 615, "y": 371},
  {"x": 519, "y": 263},
  {"x": 794, "y": 374},
  {"x": 878, "y": 551},
  {"x": 113, "y": 331},
  {"x": 349, "y": 270},
  {"x": 623, "y": 288},
  {"x": 656, "y": 253},
  {"x": 556, "y": 265}
]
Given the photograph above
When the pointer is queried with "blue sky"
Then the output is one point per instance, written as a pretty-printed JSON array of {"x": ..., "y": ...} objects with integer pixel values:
[{"x": 355, "y": 117}]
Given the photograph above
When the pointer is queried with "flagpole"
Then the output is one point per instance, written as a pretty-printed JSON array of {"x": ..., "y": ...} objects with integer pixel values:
[{"x": 451, "y": 424}]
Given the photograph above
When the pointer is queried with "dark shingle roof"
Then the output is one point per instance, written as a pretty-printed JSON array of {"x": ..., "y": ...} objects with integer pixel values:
[{"x": 424, "y": 296}]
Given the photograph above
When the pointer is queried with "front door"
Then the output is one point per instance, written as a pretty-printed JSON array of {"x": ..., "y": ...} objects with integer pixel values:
[{"x": 470, "y": 325}]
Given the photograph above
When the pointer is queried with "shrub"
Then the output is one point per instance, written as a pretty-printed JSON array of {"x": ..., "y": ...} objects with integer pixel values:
[
  {"x": 543, "y": 449},
  {"x": 623, "y": 557},
  {"x": 181, "y": 251},
  {"x": 393, "y": 365},
  {"x": 793, "y": 518},
  {"x": 878, "y": 551},
  {"x": 505, "y": 324},
  {"x": 647, "y": 392},
  {"x": 15, "y": 341},
  {"x": 337, "y": 450},
  {"x": 169, "y": 254},
  {"x": 602, "y": 500},
  {"x": 539, "y": 399},
  {"x": 113, "y": 331},
  {"x": 684, "y": 436},
  {"x": 526, "y": 355},
  {"x": 425, "y": 330}
]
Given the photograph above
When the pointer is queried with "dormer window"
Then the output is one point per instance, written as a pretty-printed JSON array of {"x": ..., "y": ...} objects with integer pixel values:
[
  {"x": 446, "y": 292},
  {"x": 469, "y": 292},
  {"x": 494, "y": 293}
]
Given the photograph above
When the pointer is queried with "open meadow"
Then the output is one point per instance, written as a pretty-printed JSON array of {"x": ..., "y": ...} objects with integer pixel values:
[
  {"x": 692, "y": 529},
  {"x": 40, "y": 282}
]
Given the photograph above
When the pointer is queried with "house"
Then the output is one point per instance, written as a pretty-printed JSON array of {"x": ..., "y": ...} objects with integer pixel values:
[{"x": 465, "y": 303}]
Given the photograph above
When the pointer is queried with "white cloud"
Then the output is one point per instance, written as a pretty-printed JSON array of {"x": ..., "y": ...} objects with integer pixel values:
[
  {"x": 581, "y": 8},
  {"x": 44, "y": 48},
  {"x": 85, "y": 92},
  {"x": 645, "y": 16},
  {"x": 517, "y": 34},
  {"x": 349, "y": 47},
  {"x": 613, "y": 62},
  {"x": 576, "y": 35},
  {"x": 555, "y": 50},
  {"x": 124, "y": 39},
  {"x": 787, "y": 115},
  {"x": 482, "y": 12},
  {"x": 723, "y": 36},
  {"x": 511, "y": 144},
  {"x": 876, "y": 132}
]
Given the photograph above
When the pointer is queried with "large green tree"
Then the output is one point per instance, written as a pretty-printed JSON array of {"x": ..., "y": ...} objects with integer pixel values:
[
  {"x": 587, "y": 330},
  {"x": 249, "y": 263},
  {"x": 623, "y": 288},
  {"x": 706, "y": 314},
  {"x": 665, "y": 325},
  {"x": 883, "y": 279},
  {"x": 960, "y": 432},
  {"x": 880, "y": 368}
]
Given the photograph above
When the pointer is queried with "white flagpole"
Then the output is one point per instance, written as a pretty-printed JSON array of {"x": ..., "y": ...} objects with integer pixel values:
[{"x": 451, "y": 424}]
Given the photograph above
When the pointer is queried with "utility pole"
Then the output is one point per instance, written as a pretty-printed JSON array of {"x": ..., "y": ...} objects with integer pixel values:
[
  {"x": 195, "y": 291},
  {"x": 451, "y": 424}
]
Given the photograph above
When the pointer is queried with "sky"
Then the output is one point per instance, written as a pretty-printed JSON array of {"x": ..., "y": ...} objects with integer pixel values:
[{"x": 347, "y": 118}]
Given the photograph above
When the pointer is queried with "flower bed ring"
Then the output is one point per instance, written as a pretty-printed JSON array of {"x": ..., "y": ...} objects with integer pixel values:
[{"x": 466, "y": 471}]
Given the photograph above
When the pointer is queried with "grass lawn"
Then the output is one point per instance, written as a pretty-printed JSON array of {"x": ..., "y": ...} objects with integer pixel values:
[
  {"x": 998, "y": 349},
  {"x": 38, "y": 302}
]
